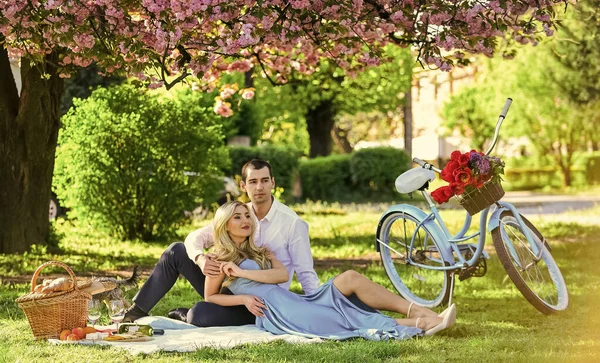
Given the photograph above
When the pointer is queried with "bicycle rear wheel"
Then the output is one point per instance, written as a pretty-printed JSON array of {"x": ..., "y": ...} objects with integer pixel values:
[
  {"x": 416, "y": 284},
  {"x": 538, "y": 279}
]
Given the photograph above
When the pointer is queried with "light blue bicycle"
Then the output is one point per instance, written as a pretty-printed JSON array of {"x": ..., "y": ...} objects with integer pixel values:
[{"x": 422, "y": 257}]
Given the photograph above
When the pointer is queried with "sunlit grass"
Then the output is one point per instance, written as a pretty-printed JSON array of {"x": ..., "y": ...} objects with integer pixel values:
[{"x": 495, "y": 323}]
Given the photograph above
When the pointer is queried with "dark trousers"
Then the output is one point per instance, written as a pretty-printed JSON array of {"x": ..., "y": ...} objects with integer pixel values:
[{"x": 174, "y": 262}]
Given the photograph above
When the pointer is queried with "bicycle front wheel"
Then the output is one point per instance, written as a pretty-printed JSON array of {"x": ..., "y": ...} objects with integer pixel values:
[
  {"x": 421, "y": 285},
  {"x": 537, "y": 277}
]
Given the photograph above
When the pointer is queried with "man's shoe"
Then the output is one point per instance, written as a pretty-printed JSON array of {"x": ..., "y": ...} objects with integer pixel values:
[
  {"x": 134, "y": 313},
  {"x": 179, "y": 314}
]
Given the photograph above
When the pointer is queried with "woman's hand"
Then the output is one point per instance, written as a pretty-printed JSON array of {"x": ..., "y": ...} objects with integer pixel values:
[
  {"x": 231, "y": 269},
  {"x": 254, "y": 305}
]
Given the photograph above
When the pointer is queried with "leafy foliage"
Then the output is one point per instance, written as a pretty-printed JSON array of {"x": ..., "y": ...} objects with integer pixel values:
[
  {"x": 327, "y": 178},
  {"x": 287, "y": 109},
  {"x": 470, "y": 113},
  {"x": 83, "y": 82},
  {"x": 122, "y": 157},
  {"x": 555, "y": 88},
  {"x": 374, "y": 170}
]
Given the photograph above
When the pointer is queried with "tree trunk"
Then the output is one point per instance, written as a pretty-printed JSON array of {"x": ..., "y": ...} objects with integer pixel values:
[
  {"x": 29, "y": 126},
  {"x": 567, "y": 180},
  {"x": 408, "y": 122},
  {"x": 340, "y": 137},
  {"x": 319, "y": 123}
]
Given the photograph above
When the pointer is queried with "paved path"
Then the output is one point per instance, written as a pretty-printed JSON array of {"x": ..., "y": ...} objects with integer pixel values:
[{"x": 532, "y": 203}]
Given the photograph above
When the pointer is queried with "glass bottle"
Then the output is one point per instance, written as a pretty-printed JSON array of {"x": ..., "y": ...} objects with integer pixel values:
[{"x": 141, "y": 328}]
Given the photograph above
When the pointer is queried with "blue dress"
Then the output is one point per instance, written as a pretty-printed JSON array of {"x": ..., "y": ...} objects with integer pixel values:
[{"x": 327, "y": 313}]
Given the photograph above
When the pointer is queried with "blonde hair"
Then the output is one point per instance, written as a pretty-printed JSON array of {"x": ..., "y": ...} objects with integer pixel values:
[{"x": 226, "y": 250}]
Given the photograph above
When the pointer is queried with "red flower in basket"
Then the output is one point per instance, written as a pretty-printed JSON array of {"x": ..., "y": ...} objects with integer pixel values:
[{"x": 467, "y": 171}]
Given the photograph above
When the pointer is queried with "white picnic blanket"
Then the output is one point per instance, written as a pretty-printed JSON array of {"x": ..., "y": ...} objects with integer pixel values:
[{"x": 181, "y": 337}]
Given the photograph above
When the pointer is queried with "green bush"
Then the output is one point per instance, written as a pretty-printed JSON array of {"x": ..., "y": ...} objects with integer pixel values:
[
  {"x": 326, "y": 178},
  {"x": 541, "y": 178},
  {"x": 123, "y": 158},
  {"x": 592, "y": 166},
  {"x": 283, "y": 160},
  {"x": 374, "y": 170}
]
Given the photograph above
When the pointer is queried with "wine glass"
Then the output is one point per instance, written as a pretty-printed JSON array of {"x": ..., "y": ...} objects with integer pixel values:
[
  {"x": 116, "y": 311},
  {"x": 94, "y": 311}
]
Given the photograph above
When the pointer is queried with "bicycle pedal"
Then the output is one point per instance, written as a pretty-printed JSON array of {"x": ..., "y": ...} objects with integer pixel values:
[{"x": 478, "y": 270}]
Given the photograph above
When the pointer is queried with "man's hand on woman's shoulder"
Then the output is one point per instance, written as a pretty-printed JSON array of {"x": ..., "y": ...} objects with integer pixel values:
[{"x": 208, "y": 265}]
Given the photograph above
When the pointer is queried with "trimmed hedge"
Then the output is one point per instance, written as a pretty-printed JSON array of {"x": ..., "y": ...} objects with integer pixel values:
[
  {"x": 283, "y": 160},
  {"x": 326, "y": 178},
  {"x": 368, "y": 174},
  {"x": 593, "y": 168},
  {"x": 529, "y": 173},
  {"x": 374, "y": 170},
  {"x": 540, "y": 178}
]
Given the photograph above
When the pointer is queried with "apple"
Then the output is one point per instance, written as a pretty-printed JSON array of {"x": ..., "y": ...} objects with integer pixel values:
[
  {"x": 78, "y": 332},
  {"x": 64, "y": 334},
  {"x": 72, "y": 337}
]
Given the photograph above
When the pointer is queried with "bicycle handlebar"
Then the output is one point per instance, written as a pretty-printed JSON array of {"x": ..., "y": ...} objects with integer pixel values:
[
  {"x": 426, "y": 165},
  {"x": 506, "y": 107},
  {"x": 501, "y": 118},
  {"x": 498, "y": 124}
]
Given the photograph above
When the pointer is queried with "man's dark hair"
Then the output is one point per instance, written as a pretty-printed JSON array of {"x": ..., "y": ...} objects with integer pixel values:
[{"x": 255, "y": 164}]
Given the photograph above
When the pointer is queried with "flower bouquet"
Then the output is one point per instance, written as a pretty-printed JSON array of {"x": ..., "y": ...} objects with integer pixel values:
[{"x": 474, "y": 178}]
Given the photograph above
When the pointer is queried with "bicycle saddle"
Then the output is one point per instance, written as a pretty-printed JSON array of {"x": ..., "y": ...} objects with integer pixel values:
[{"x": 413, "y": 179}]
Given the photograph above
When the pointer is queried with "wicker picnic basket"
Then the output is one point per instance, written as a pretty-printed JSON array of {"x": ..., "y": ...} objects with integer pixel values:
[
  {"x": 51, "y": 313},
  {"x": 477, "y": 200}
]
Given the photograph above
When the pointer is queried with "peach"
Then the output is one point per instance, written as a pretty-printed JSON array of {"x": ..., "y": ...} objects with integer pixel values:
[
  {"x": 78, "y": 332},
  {"x": 64, "y": 334},
  {"x": 72, "y": 337}
]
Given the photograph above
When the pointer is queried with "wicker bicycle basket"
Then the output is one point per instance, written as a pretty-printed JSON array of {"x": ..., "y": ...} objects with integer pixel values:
[
  {"x": 51, "y": 313},
  {"x": 477, "y": 200}
]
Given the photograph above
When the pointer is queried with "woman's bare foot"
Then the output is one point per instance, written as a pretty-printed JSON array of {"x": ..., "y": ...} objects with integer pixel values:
[
  {"x": 424, "y": 323},
  {"x": 428, "y": 322},
  {"x": 417, "y": 311}
]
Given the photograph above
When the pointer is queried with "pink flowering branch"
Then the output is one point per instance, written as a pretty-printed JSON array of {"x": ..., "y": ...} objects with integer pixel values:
[{"x": 204, "y": 38}]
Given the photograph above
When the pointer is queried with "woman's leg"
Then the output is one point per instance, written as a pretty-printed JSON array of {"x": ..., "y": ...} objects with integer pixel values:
[{"x": 378, "y": 297}]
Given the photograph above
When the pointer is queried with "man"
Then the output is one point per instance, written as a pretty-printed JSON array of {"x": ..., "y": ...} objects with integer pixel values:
[{"x": 278, "y": 227}]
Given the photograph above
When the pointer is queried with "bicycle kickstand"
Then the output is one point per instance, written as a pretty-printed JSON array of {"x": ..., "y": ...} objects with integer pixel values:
[{"x": 453, "y": 278}]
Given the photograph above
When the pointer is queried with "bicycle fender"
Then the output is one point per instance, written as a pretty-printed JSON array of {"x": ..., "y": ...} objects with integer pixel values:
[
  {"x": 430, "y": 225},
  {"x": 495, "y": 218}
]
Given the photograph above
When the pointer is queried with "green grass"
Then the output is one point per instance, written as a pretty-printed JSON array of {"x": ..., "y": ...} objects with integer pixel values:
[{"x": 495, "y": 323}]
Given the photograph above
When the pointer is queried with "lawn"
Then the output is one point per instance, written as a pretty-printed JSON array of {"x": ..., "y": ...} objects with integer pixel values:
[{"x": 495, "y": 323}]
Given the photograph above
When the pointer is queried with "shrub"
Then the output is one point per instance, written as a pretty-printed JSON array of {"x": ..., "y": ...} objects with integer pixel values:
[
  {"x": 374, "y": 170},
  {"x": 283, "y": 160},
  {"x": 123, "y": 156},
  {"x": 592, "y": 166},
  {"x": 326, "y": 178}
]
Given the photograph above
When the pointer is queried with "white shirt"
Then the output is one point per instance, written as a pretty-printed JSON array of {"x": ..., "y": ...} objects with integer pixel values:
[{"x": 283, "y": 232}]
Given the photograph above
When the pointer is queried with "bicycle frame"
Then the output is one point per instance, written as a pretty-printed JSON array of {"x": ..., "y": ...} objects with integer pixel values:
[{"x": 435, "y": 226}]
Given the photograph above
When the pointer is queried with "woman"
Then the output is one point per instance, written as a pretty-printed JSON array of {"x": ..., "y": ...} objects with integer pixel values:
[{"x": 252, "y": 274}]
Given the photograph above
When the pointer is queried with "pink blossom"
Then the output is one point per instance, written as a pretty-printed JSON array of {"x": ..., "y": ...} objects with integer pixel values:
[
  {"x": 247, "y": 93},
  {"x": 222, "y": 108},
  {"x": 228, "y": 90},
  {"x": 287, "y": 36}
]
